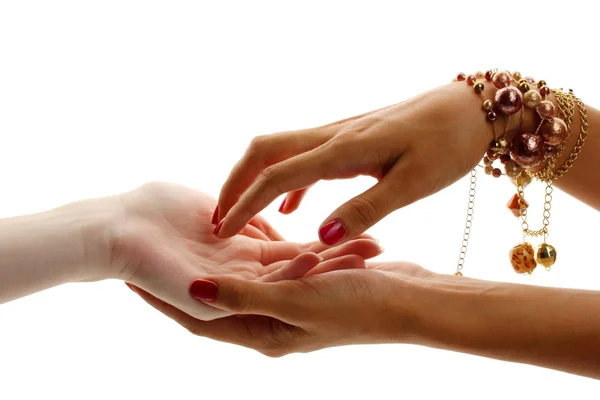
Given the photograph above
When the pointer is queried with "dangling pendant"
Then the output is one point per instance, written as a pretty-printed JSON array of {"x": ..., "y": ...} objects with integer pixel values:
[
  {"x": 522, "y": 258},
  {"x": 546, "y": 255}
]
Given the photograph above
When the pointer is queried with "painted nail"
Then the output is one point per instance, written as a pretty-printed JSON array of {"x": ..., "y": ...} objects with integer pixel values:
[
  {"x": 218, "y": 228},
  {"x": 130, "y": 286},
  {"x": 333, "y": 232},
  {"x": 282, "y": 205},
  {"x": 204, "y": 290},
  {"x": 215, "y": 217}
]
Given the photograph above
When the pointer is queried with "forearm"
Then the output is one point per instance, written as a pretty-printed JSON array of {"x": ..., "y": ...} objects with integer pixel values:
[
  {"x": 548, "y": 327},
  {"x": 50, "y": 248}
]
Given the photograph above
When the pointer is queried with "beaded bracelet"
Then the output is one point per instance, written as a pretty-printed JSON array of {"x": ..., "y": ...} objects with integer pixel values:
[{"x": 525, "y": 151}]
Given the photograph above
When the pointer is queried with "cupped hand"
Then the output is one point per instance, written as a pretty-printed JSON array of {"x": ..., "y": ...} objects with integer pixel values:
[
  {"x": 413, "y": 149},
  {"x": 343, "y": 307},
  {"x": 163, "y": 242}
]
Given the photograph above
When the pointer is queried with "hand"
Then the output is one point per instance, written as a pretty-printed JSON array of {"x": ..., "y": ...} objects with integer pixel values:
[
  {"x": 413, "y": 149},
  {"x": 163, "y": 241},
  {"x": 337, "y": 308}
]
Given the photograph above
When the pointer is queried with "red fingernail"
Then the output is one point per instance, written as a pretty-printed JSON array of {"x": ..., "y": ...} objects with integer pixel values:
[
  {"x": 282, "y": 205},
  {"x": 218, "y": 228},
  {"x": 215, "y": 217},
  {"x": 204, "y": 290},
  {"x": 333, "y": 232},
  {"x": 130, "y": 286}
]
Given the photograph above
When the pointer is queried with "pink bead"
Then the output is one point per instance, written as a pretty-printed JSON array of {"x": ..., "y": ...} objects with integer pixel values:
[
  {"x": 546, "y": 109},
  {"x": 554, "y": 131},
  {"x": 471, "y": 79},
  {"x": 530, "y": 79},
  {"x": 501, "y": 79},
  {"x": 544, "y": 90},
  {"x": 527, "y": 149},
  {"x": 461, "y": 76},
  {"x": 509, "y": 100}
]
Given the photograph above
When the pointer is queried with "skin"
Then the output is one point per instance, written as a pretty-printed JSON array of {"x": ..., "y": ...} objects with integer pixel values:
[
  {"x": 414, "y": 149},
  {"x": 158, "y": 237}
]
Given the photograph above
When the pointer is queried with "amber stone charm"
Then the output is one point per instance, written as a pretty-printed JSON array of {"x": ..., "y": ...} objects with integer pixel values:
[
  {"x": 508, "y": 100},
  {"x": 515, "y": 207},
  {"x": 527, "y": 149},
  {"x": 545, "y": 255},
  {"x": 522, "y": 258}
]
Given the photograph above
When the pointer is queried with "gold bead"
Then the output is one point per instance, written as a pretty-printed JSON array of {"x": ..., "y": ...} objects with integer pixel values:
[
  {"x": 524, "y": 87},
  {"x": 545, "y": 255},
  {"x": 478, "y": 87},
  {"x": 532, "y": 99},
  {"x": 516, "y": 75},
  {"x": 541, "y": 83},
  {"x": 488, "y": 105},
  {"x": 458, "y": 273},
  {"x": 512, "y": 169},
  {"x": 522, "y": 258},
  {"x": 523, "y": 179},
  {"x": 499, "y": 146}
]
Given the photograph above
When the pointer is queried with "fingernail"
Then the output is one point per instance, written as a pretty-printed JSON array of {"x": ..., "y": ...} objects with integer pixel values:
[
  {"x": 218, "y": 228},
  {"x": 282, "y": 205},
  {"x": 215, "y": 217},
  {"x": 130, "y": 286},
  {"x": 204, "y": 290},
  {"x": 333, "y": 232}
]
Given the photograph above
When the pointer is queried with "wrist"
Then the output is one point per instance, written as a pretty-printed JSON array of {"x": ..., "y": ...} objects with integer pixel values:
[{"x": 43, "y": 250}]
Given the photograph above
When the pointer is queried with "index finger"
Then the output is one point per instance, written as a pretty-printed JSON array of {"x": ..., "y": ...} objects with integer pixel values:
[
  {"x": 263, "y": 152},
  {"x": 292, "y": 174}
]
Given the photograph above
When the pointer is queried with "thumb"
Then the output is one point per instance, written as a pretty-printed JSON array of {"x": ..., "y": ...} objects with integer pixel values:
[
  {"x": 242, "y": 296},
  {"x": 360, "y": 213}
]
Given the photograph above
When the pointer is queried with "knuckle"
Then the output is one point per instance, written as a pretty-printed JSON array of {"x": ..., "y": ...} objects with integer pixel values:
[
  {"x": 362, "y": 212},
  {"x": 257, "y": 146},
  {"x": 269, "y": 178}
]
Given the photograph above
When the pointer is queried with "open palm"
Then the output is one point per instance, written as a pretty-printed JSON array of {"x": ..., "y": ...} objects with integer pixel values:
[{"x": 164, "y": 242}]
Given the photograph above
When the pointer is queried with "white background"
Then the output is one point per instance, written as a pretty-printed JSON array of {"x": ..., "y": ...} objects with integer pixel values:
[{"x": 99, "y": 97}]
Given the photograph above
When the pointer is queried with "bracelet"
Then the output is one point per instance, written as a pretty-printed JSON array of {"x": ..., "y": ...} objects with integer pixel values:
[{"x": 525, "y": 151}]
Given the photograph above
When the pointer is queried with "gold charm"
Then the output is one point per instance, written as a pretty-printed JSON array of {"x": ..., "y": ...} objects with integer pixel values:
[
  {"x": 546, "y": 255},
  {"x": 522, "y": 258}
]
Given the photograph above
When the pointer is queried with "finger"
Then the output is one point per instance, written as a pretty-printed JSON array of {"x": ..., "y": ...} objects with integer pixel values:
[
  {"x": 363, "y": 211},
  {"x": 254, "y": 233},
  {"x": 294, "y": 269},
  {"x": 230, "y": 329},
  {"x": 364, "y": 248},
  {"x": 293, "y": 174},
  {"x": 263, "y": 152},
  {"x": 265, "y": 227},
  {"x": 273, "y": 252},
  {"x": 344, "y": 262},
  {"x": 242, "y": 296},
  {"x": 292, "y": 201}
]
